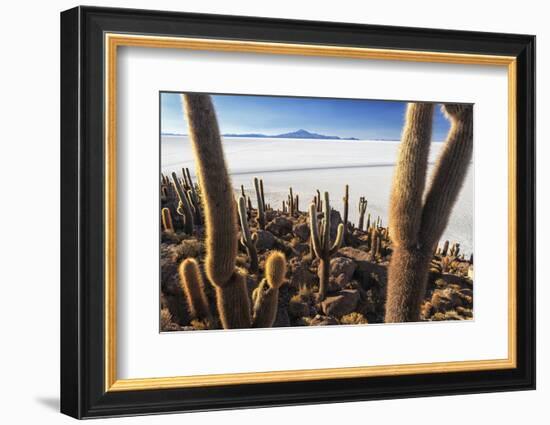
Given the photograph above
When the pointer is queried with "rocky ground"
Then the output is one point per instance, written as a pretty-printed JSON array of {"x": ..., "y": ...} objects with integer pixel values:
[{"x": 358, "y": 276}]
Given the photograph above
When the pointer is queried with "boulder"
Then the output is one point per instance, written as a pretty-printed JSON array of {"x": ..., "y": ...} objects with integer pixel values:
[
  {"x": 302, "y": 231},
  {"x": 265, "y": 240},
  {"x": 342, "y": 269},
  {"x": 364, "y": 266},
  {"x": 344, "y": 302},
  {"x": 279, "y": 226},
  {"x": 298, "y": 308}
]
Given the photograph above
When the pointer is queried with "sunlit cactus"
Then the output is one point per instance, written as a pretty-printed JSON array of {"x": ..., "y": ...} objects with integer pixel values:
[
  {"x": 193, "y": 288},
  {"x": 219, "y": 212},
  {"x": 267, "y": 294},
  {"x": 417, "y": 220},
  {"x": 167, "y": 224}
]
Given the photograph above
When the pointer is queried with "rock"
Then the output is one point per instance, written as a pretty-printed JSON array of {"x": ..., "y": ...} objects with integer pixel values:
[
  {"x": 302, "y": 248},
  {"x": 265, "y": 240},
  {"x": 341, "y": 304},
  {"x": 279, "y": 226},
  {"x": 298, "y": 308},
  {"x": 446, "y": 299},
  {"x": 302, "y": 231},
  {"x": 365, "y": 267},
  {"x": 342, "y": 269},
  {"x": 319, "y": 320}
]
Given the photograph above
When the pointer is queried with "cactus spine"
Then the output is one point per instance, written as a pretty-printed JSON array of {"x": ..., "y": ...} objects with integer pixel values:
[
  {"x": 247, "y": 239},
  {"x": 320, "y": 242},
  {"x": 219, "y": 212},
  {"x": 417, "y": 224},
  {"x": 193, "y": 287},
  {"x": 260, "y": 200},
  {"x": 267, "y": 295}
]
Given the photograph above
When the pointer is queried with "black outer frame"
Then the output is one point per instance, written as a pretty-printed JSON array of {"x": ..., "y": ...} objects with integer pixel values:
[{"x": 82, "y": 207}]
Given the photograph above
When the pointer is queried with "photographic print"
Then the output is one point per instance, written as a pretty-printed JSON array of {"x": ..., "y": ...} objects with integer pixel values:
[{"x": 290, "y": 211}]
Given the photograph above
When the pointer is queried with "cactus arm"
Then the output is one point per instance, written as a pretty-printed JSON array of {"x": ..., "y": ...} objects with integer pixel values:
[
  {"x": 266, "y": 301},
  {"x": 248, "y": 240},
  {"x": 275, "y": 269},
  {"x": 346, "y": 209},
  {"x": 314, "y": 230},
  {"x": 193, "y": 287},
  {"x": 410, "y": 175},
  {"x": 167, "y": 220},
  {"x": 216, "y": 189},
  {"x": 243, "y": 220},
  {"x": 338, "y": 241},
  {"x": 449, "y": 175},
  {"x": 326, "y": 224}
]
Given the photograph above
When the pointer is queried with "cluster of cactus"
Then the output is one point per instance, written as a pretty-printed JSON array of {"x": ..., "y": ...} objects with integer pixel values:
[
  {"x": 193, "y": 193},
  {"x": 417, "y": 220},
  {"x": 184, "y": 206},
  {"x": 321, "y": 244},
  {"x": 318, "y": 201},
  {"x": 293, "y": 203},
  {"x": 444, "y": 250},
  {"x": 230, "y": 283}
]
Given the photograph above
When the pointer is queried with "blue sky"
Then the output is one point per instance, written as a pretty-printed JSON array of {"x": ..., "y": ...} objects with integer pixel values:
[{"x": 363, "y": 119}]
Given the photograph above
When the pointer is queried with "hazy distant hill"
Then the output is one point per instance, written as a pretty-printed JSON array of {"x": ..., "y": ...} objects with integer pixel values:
[{"x": 298, "y": 134}]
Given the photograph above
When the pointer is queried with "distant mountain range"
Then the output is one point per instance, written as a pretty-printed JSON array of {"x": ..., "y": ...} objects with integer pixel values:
[{"x": 298, "y": 134}]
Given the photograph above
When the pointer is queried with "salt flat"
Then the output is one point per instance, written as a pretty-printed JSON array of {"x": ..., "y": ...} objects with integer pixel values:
[{"x": 328, "y": 165}]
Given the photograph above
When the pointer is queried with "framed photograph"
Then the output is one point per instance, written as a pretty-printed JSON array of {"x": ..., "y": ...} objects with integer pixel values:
[{"x": 261, "y": 212}]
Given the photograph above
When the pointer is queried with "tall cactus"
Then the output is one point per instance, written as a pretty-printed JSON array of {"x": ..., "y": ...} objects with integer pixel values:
[
  {"x": 321, "y": 243},
  {"x": 219, "y": 213},
  {"x": 248, "y": 239},
  {"x": 362, "y": 209},
  {"x": 260, "y": 199},
  {"x": 267, "y": 295},
  {"x": 417, "y": 222},
  {"x": 346, "y": 212}
]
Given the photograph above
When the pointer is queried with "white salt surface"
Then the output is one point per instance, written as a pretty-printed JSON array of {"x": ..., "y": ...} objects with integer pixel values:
[{"x": 306, "y": 165}]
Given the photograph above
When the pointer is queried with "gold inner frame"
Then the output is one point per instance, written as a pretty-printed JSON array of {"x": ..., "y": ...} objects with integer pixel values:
[{"x": 113, "y": 41}]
